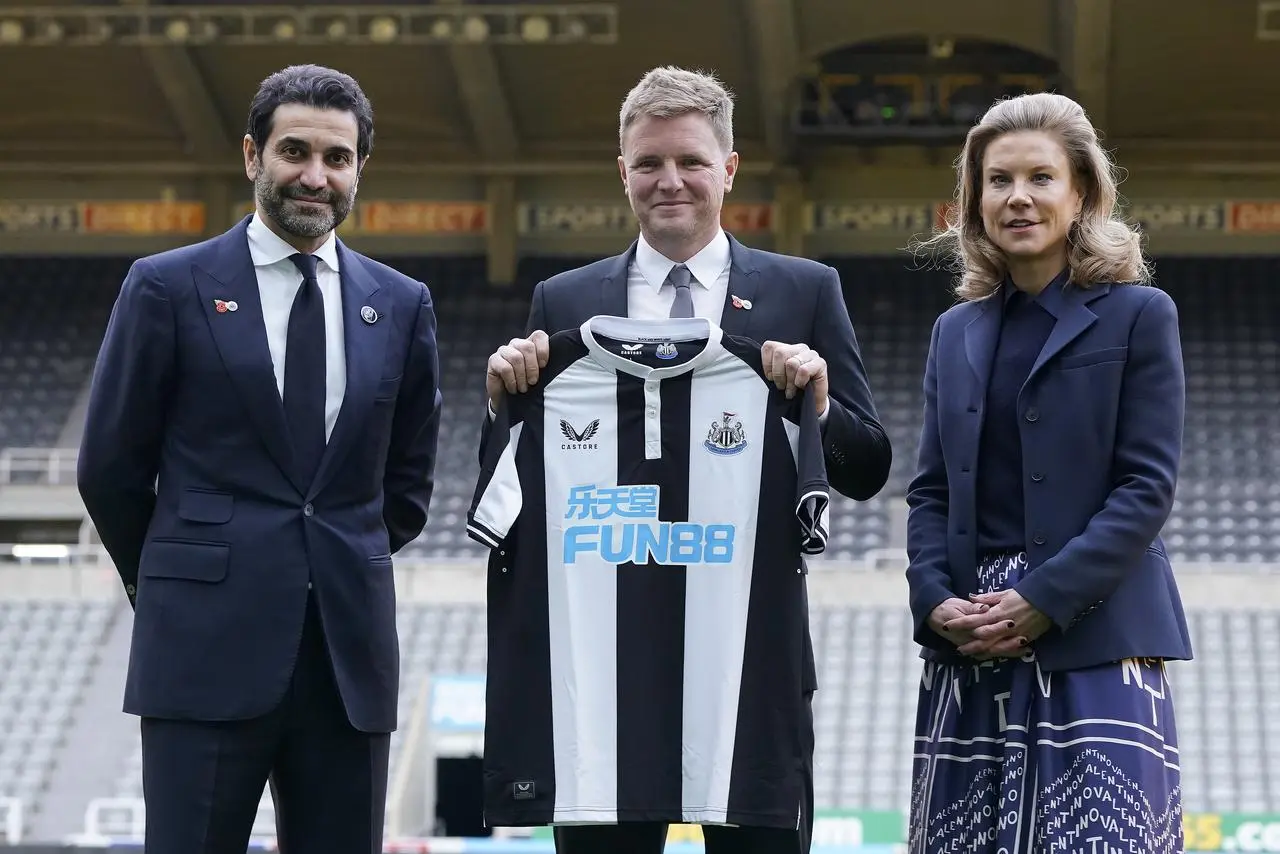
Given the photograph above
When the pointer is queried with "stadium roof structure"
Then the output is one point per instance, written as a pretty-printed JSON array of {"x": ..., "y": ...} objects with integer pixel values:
[{"x": 534, "y": 88}]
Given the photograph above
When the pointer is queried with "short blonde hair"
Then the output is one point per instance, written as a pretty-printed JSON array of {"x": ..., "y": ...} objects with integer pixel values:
[
  {"x": 669, "y": 91},
  {"x": 1101, "y": 246}
]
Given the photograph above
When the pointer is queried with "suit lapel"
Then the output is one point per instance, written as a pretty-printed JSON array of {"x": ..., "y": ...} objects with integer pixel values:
[
  {"x": 613, "y": 287},
  {"x": 365, "y": 346},
  {"x": 241, "y": 338},
  {"x": 981, "y": 334},
  {"x": 1070, "y": 305},
  {"x": 743, "y": 281}
]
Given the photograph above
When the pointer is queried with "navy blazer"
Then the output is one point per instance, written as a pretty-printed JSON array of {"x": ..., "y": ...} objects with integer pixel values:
[
  {"x": 793, "y": 300},
  {"x": 1101, "y": 419},
  {"x": 186, "y": 470}
]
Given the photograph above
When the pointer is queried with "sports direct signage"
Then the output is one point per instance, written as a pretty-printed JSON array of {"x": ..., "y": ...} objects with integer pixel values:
[
  {"x": 1243, "y": 218},
  {"x": 122, "y": 218},
  {"x": 610, "y": 218},
  {"x": 399, "y": 217},
  {"x": 1180, "y": 216},
  {"x": 1254, "y": 217},
  {"x": 863, "y": 217},
  {"x": 1203, "y": 216}
]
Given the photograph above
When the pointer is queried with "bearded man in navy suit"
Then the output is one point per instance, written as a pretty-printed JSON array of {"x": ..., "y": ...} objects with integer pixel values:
[{"x": 260, "y": 439}]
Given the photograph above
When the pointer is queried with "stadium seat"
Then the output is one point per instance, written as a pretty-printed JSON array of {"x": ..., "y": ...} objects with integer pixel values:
[
  {"x": 1227, "y": 509},
  {"x": 46, "y": 651},
  {"x": 51, "y": 322}
]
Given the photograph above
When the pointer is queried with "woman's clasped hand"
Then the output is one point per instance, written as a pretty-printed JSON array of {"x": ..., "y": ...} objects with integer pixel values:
[{"x": 990, "y": 625}]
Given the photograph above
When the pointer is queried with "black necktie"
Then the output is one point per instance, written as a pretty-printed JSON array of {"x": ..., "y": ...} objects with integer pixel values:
[{"x": 304, "y": 371}]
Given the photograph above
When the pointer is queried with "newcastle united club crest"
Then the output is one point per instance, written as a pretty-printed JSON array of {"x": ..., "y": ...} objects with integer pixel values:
[{"x": 726, "y": 437}]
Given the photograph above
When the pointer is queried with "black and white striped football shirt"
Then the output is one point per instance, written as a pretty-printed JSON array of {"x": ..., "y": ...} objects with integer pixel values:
[{"x": 648, "y": 504}]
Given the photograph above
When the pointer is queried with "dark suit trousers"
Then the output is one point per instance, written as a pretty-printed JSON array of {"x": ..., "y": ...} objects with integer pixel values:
[
  {"x": 202, "y": 781},
  {"x": 651, "y": 837}
]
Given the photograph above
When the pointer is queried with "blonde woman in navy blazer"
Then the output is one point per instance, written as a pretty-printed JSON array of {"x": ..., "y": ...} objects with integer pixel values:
[{"x": 1039, "y": 585}]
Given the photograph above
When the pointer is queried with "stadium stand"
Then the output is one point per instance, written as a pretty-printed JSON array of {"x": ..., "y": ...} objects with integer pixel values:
[
  {"x": 1227, "y": 510},
  {"x": 1225, "y": 703},
  {"x": 47, "y": 651},
  {"x": 50, "y": 328},
  {"x": 494, "y": 152},
  {"x": 434, "y": 639},
  {"x": 864, "y": 711}
]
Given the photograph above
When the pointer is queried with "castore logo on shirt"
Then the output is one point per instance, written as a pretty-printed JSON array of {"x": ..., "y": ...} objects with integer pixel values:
[{"x": 579, "y": 441}]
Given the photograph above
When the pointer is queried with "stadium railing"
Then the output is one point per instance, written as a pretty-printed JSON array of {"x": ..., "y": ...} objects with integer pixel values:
[
  {"x": 125, "y": 819},
  {"x": 11, "y": 820},
  {"x": 48, "y": 466},
  {"x": 106, "y": 818},
  {"x": 882, "y": 560},
  {"x": 57, "y": 571}
]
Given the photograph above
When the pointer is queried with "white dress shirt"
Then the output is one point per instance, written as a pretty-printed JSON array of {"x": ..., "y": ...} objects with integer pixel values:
[
  {"x": 278, "y": 283},
  {"x": 649, "y": 297}
]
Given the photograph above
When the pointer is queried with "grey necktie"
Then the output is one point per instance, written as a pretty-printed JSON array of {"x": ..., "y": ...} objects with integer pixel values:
[{"x": 679, "y": 278}]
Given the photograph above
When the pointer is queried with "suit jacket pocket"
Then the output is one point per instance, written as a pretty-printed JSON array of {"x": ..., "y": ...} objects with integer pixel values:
[
  {"x": 388, "y": 388},
  {"x": 189, "y": 560},
  {"x": 1093, "y": 357},
  {"x": 205, "y": 505}
]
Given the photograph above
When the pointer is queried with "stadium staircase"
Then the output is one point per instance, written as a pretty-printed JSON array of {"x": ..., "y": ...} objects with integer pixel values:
[{"x": 98, "y": 741}]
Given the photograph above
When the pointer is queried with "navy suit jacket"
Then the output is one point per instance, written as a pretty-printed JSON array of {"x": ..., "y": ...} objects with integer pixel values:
[
  {"x": 1101, "y": 418},
  {"x": 793, "y": 300},
  {"x": 186, "y": 470}
]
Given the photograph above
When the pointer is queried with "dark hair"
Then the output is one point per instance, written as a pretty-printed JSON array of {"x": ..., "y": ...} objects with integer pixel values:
[{"x": 313, "y": 86}]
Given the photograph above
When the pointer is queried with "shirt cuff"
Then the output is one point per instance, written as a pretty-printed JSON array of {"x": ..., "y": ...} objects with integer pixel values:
[
  {"x": 822, "y": 416},
  {"x": 493, "y": 415}
]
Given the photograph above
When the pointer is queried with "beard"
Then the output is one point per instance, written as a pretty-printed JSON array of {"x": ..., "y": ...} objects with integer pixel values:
[{"x": 278, "y": 203}]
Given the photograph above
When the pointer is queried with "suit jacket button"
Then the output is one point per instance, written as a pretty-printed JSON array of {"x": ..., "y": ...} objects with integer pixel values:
[
  {"x": 308, "y": 510},
  {"x": 1036, "y": 476},
  {"x": 1038, "y": 539},
  {"x": 1033, "y": 414}
]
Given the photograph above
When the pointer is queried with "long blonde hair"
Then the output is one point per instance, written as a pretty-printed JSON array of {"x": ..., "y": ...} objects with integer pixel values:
[{"x": 1101, "y": 246}]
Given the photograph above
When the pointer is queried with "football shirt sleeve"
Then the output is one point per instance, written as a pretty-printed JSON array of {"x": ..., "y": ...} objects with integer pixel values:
[
  {"x": 498, "y": 497},
  {"x": 813, "y": 495}
]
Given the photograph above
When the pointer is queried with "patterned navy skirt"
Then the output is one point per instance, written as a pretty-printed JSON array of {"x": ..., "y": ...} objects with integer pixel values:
[{"x": 1011, "y": 760}]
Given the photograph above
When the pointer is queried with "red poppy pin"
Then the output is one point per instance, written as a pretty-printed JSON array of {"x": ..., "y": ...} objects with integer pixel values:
[{"x": 222, "y": 306}]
